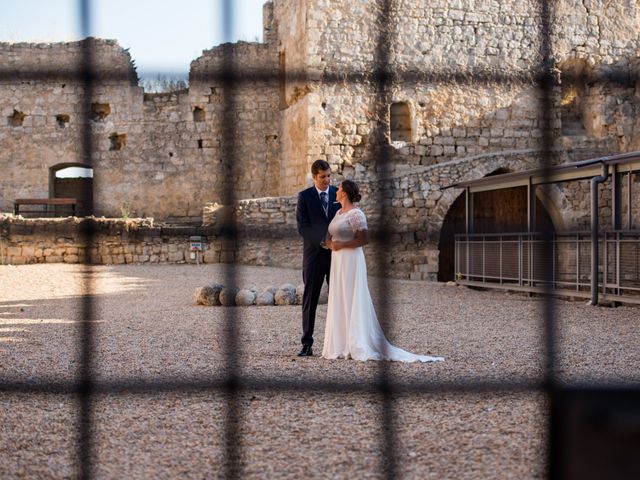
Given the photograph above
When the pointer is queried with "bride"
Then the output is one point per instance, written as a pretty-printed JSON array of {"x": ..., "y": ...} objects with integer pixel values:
[{"x": 352, "y": 328}]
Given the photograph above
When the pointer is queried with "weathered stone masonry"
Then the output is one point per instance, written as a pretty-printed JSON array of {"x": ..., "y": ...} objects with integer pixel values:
[{"x": 463, "y": 103}]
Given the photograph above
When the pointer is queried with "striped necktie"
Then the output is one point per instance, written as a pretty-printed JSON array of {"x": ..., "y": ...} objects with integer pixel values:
[{"x": 325, "y": 202}]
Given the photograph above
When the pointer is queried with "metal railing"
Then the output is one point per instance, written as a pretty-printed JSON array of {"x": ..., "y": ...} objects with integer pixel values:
[{"x": 515, "y": 261}]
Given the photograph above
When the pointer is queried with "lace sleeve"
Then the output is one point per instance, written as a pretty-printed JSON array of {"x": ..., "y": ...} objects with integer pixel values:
[{"x": 358, "y": 221}]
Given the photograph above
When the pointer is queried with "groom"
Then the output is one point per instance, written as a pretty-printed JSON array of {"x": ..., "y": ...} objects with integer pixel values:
[{"x": 316, "y": 208}]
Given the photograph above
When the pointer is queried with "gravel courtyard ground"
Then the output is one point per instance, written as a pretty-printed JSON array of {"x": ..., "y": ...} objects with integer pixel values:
[{"x": 147, "y": 328}]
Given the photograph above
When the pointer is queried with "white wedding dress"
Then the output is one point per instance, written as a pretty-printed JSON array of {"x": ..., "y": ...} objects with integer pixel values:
[{"x": 352, "y": 328}]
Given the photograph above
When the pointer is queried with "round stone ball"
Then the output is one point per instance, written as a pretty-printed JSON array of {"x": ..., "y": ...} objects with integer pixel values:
[
  {"x": 286, "y": 295},
  {"x": 245, "y": 297},
  {"x": 228, "y": 296},
  {"x": 265, "y": 299},
  {"x": 208, "y": 295}
]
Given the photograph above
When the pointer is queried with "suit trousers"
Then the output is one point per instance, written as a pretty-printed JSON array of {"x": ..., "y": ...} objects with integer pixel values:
[{"x": 313, "y": 276}]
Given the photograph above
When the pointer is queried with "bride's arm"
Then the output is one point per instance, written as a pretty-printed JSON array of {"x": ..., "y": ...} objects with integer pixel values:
[{"x": 361, "y": 238}]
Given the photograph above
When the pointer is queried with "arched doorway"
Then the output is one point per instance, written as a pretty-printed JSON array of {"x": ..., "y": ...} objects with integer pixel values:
[
  {"x": 73, "y": 180},
  {"x": 494, "y": 211}
]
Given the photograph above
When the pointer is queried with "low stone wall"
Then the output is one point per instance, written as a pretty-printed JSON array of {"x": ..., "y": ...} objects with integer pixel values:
[
  {"x": 116, "y": 241},
  {"x": 266, "y": 235}
]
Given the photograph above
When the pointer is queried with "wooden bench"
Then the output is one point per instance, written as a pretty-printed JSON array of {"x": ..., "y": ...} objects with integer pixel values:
[{"x": 47, "y": 202}]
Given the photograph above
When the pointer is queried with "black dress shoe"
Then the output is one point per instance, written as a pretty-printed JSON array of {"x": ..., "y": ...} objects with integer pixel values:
[{"x": 306, "y": 351}]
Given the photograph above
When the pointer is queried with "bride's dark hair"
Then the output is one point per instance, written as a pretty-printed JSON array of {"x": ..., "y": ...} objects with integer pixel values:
[{"x": 351, "y": 189}]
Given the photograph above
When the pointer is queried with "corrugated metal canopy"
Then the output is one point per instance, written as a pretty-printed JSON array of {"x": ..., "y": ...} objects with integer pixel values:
[{"x": 585, "y": 169}]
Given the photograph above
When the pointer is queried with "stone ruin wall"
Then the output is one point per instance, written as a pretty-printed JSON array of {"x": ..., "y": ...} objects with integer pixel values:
[
  {"x": 459, "y": 127},
  {"x": 415, "y": 206},
  {"x": 41, "y": 85},
  {"x": 155, "y": 155},
  {"x": 453, "y": 116},
  {"x": 116, "y": 241},
  {"x": 291, "y": 43}
]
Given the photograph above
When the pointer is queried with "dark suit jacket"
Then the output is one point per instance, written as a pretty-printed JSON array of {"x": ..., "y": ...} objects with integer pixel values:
[{"x": 312, "y": 222}]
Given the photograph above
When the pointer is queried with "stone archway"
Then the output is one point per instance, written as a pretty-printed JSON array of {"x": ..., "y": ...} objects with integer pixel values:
[
  {"x": 495, "y": 211},
  {"x": 73, "y": 180}
]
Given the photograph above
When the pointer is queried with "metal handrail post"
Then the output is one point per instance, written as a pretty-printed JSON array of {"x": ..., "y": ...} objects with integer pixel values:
[
  {"x": 577, "y": 262},
  {"x": 618, "y": 244},
  {"x": 484, "y": 254},
  {"x": 501, "y": 275},
  {"x": 595, "y": 233},
  {"x": 520, "y": 260},
  {"x": 467, "y": 259},
  {"x": 605, "y": 263}
]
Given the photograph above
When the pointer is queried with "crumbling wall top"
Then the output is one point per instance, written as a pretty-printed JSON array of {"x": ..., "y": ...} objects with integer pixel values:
[{"x": 111, "y": 63}]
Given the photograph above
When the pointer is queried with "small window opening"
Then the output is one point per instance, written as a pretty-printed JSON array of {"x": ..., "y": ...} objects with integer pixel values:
[
  {"x": 118, "y": 141},
  {"x": 75, "y": 172},
  {"x": 199, "y": 143},
  {"x": 400, "y": 122},
  {"x": 574, "y": 74},
  {"x": 198, "y": 114},
  {"x": 63, "y": 120},
  {"x": 100, "y": 111},
  {"x": 16, "y": 119},
  {"x": 215, "y": 96},
  {"x": 171, "y": 154}
]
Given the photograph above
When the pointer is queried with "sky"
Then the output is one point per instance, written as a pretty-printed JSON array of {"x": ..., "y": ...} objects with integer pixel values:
[{"x": 163, "y": 36}]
